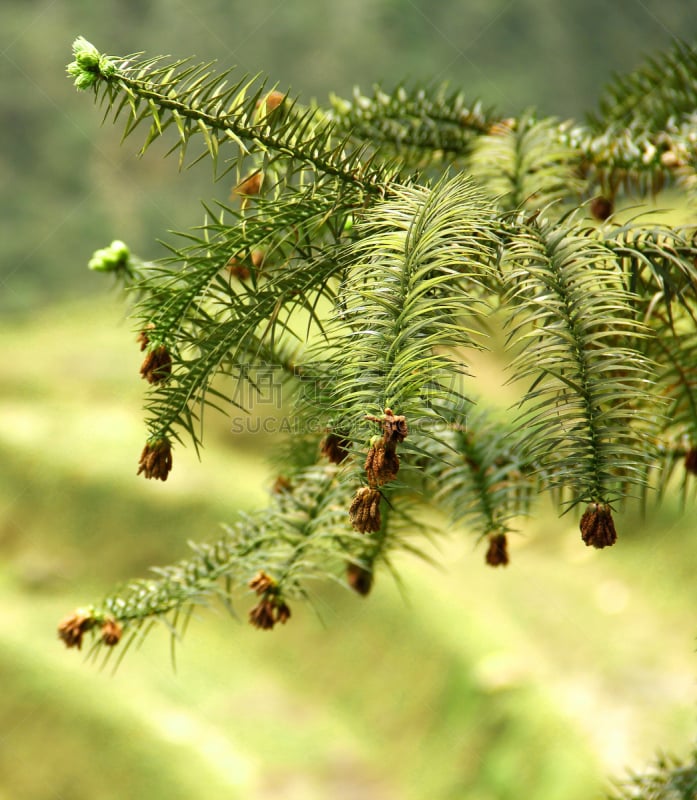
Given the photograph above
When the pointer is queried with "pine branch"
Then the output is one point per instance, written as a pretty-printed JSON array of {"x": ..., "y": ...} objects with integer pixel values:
[
  {"x": 582, "y": 413},
  {"x": 527, "y": 162}
]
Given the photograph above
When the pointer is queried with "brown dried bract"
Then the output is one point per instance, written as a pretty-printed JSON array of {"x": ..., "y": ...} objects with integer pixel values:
[
  {"x": 74, "y": 627},
  {"x": 597, "y": 526},
  {"x": 691, "y": 460},
  {"x": 334, "y": 447},
  {"x": 157, "y": 366},
  {"x": 359, "y": 578},
  {"x": 381, "y": 463},
  {"x": 497, "y": 553},
  {"x": 282, "y": 613},
  {"x": 249, "y": 186},
  {"x": 156, "y": 459},
  {"x": 601, "y": 208},
  {"x": 364, "y": 512},
  {"x": 395, "y": 427},
  {"x": 111, "y": 632},
  {"x": 261, "y": 583}
]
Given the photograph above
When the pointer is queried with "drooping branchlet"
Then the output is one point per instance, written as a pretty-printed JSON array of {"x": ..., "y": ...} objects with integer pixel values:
[
  {"x": 597, "y": 526},
  {"x": 364, "y": 512},
  {"x": 359, "y": 578},
  {"x": 72, "y": 628},
  {"x": 156, "y": 459},
  {"x": 497, "y": 552},
  {"x": 335, "y": 447},
  {"x": 157, "y": 365}
]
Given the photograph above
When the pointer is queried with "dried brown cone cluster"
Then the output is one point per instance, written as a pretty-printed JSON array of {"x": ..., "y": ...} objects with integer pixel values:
[
  {"x": 271, "y": 608},
  {"x": 691, "y": 460},
  {"x": 359, "y": 578},
  {"x": 364, "y": 511},
  {"x": 497, "y": 552},
  {"x": 335, "y": 447},
  {"x": 597, "y": 526},
  {"x": 111, "y": 632},
  {"x": 238, "y": 269},
  {"x": 156, "y": 459},
  {"x": 157, "y": 365}
]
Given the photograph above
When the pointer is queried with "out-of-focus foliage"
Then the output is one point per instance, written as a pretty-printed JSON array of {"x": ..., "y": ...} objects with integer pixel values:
[{"x": 556, "y": 56}]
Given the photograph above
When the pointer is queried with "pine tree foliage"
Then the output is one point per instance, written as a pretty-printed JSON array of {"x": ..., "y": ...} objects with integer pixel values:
[{"x": 365, "y": 253}]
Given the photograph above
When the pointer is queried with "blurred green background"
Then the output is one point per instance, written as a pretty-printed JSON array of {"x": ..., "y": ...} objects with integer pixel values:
[{"x": 533, "y": 682}]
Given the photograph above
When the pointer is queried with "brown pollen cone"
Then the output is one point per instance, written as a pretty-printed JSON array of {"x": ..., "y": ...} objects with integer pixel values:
[
  {"x": 364, "y": 512},
  {"x": 111, "y": 632},
  {"x": 156, "y": 460},
  {"x": 72, "y": 628},
  {"x": 157, "y": 366},
  {"x": 597, "y": 526},
  {"x": 601, "y": 208},
  {"x": 691, "y": 460},
  {"x": 142, "y": 338},
  {"x": 381, "y": 463},
  {"x": 334, "y": 447},
  {"x": 359, "y": 578},
  {"x": 281, "y": 484},
  {"x": 497, "y": 553},
  {"x": 282, "y": 613}
]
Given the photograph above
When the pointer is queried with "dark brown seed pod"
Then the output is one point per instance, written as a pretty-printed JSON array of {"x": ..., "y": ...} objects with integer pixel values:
[
  {"x": 156, "y": 459},
  {"x": 335, "y": 448},
  {"x": 157, "y": 365},
  {"x": 601, "y": 208},
  {"x": 364, "y": 512},
  {"x": 497, "y": 553},
  {"x": 359, "y": 578},
  {"x": 597, "y": 526},
  {"x": 691, "y": 461}
]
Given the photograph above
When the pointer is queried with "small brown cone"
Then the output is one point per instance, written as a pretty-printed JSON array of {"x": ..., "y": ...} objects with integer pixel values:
[
  {"x": 157, "y": 365},
  {"x": 691, "y": 461},
  {"x": 597, "y": 526},
  {"x": 261, "y": 583},
  {"x": 271, "y": 102},
  {"x": 156, "y": 459},
  {"x": 262, "y": 615},
  {"x": 364, "y": 512},
  {"x": 381, "y": 463},
  {"x": 238, "y": 269},
  {"x": 497, "y": 553},
  {"x": 249, "y": 186},
  {"x": 359, "y": 578},
  {"x": 601, "y": 208},
  {"x": 111, "y": 632},
  {"x": 395, "y": 427},
  {"x": 334, "y": 447},
  {"x": 72, "y": 628}
]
